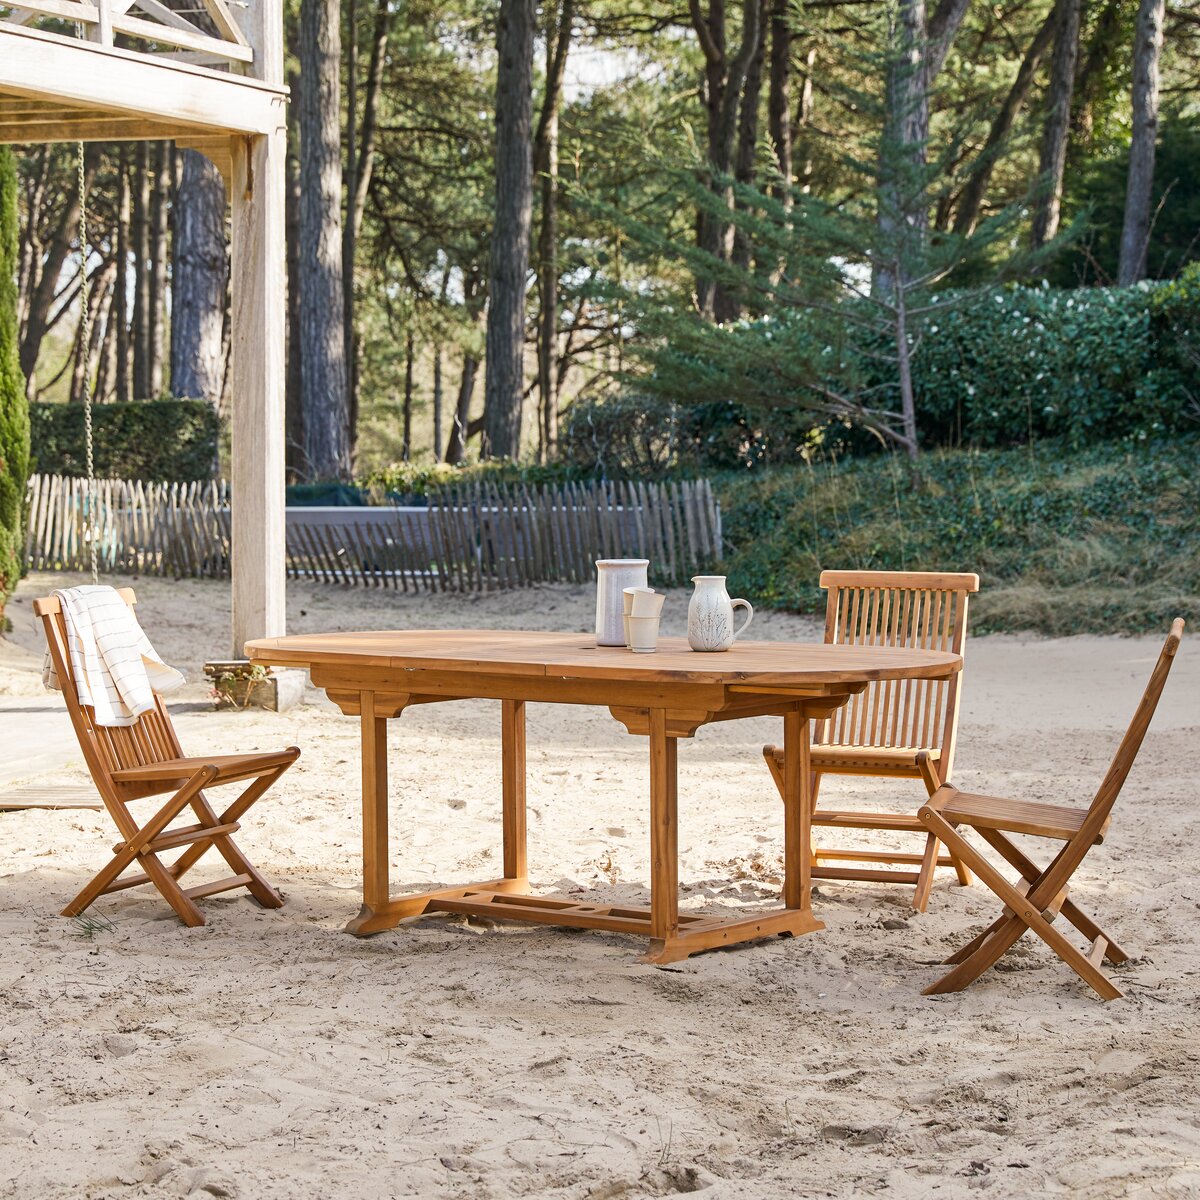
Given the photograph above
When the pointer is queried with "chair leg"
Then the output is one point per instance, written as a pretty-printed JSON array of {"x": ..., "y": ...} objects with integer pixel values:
[
  {"x": 1031, "y": 872},
  {"x": 925, "y": 875},
  {"x": 929, "y": 863},
  {"x": 258, "y": 886},
  {"x": 159, "y": 875},
  {"x": 814, "y": 786},
  {"x": 999, "y": 940},
  {"x": 239, "y": 864}
]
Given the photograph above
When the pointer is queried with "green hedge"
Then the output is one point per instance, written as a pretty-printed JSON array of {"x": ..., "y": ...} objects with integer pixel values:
[
  {"x": 1084, "y": 365},
  {"x": 14, "y": 420},
  {"x": 149, "y": 439},
  {"x": 1101, "y": 540}
]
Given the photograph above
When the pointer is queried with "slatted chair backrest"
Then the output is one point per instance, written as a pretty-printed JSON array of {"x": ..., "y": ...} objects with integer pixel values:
[
  {"x": 912, "y": 609},
  {"x": 1127, "y": 752},
  {"x": 1092, "y": 829},
  {"x": 106, "y": 749}
]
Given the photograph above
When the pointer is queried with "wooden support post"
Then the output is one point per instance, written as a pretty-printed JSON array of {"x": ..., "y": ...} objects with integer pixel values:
[
  {"x": 513, "y": 749},
  {"x": 797, "y": 810},
  {"x": 259, "y": 324},
  {"x": 664, "y": 832},
  {"x": 259, "y": 333}
]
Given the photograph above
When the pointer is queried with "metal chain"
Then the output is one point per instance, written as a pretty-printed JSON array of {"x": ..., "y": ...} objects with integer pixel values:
[{"x": 90, "y": 531}]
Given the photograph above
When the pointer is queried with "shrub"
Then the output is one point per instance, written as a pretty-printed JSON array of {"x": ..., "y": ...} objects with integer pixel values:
[
  {"x": 1084, "y": 365},
  {"x": 14, "y": 412},
  {"x": 1102, "y": 540},
  {"x": 150, "y": 439}
]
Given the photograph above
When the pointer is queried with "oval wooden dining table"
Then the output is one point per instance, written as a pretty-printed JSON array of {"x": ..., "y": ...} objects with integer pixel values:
[{"x": 663, "y": 696}]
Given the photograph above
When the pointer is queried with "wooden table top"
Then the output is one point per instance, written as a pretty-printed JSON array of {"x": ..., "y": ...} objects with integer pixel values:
[{"x": 576, "y": 656}]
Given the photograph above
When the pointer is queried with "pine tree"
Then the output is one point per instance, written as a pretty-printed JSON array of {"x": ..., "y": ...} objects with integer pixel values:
[
  {"x": 14, "y": 409},
  {"x": 839, "y": 291}
]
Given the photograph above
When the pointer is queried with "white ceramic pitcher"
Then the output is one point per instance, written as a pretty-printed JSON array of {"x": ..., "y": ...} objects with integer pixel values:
[
  {"x": 710, "y": 615},
  {"x": 613, "y": 576}
]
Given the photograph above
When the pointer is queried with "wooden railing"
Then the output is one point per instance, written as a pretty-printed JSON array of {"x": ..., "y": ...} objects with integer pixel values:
[
  {"x": 473, "y": 537},
  {"x": 214, "y": 38}
]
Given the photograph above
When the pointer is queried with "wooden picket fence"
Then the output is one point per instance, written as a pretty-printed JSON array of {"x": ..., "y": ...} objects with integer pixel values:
[
  {"x": 470, "y": 537},
  {"x": 177, "y": 529}
]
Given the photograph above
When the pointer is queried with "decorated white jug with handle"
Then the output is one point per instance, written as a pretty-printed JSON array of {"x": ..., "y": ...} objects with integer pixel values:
[{"x": 710, "y": 615}]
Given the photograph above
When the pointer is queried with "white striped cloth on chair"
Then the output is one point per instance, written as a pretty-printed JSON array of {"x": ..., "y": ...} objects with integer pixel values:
[{"x": 116, "y": 670}]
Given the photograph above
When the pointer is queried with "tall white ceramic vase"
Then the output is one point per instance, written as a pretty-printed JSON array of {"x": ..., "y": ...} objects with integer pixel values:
[
  {"x": 710, "y": 615},
  {"x": 613, "y": 576}
]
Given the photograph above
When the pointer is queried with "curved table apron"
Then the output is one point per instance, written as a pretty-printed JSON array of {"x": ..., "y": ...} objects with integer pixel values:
[{"x": 663, "y": 696}]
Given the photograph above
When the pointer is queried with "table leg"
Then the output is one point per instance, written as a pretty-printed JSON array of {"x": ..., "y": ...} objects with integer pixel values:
[
  {"x": 664, "y": 836},
  {"x": 797, "y": 811},
  {"x": 515, "y": 862},
  {"x": 376, "y": 888}
]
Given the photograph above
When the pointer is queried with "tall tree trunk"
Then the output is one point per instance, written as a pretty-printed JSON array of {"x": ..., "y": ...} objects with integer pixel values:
[
  {"x": 437, "y": 399},
  {"x": 349, "y": 232},
  {"x": 199, "y": 281},
  {"x": 83, "y": 369},
  {"x": 724, "y": 79},
  {"x": 966, "y": 215},
  {"x": 779, "y": 101},
  {"x": 803, "y": 119},
  {"x": 1139, "y": 187},
  {"x": 505, "y": 383},
  {"x": 122, "y": 314},
  {"x": 160, "y": 210},
  {"x": 456, "y": 448},
  {"x": 322, "y": 326},
  {"x": 106, "y": 348},
  {"x": 1092, "y": 79},
  {"x": 361, "y": 141},
  {"x": 1052, "y": 157},
  {"x": 916, "y": 55},
  {"x": 409, "y": 355},
  {"x": 46, "y": 270},
  {"x": 141, "y": 283},
  {"x": 903, "y": 214},
  {"x": 745, "y": 161},
  {"x": 545, "y": 162},
  {"x": 297, "y": 465}
]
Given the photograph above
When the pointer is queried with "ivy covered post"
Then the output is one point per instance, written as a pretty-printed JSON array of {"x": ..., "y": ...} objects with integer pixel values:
[{"x": 14, "y": 409}]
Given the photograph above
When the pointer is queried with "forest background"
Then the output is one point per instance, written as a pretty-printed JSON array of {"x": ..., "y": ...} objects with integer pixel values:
[{"x": 861, "y": 261}]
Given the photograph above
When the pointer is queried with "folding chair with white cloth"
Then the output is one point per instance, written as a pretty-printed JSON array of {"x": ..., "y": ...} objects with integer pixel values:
[{"x": 110, "y": 677}]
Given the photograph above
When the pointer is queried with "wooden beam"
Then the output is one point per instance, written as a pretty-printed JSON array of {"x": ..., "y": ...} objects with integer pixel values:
[
  {"x": 113, "y": 82},
  {"x": 217, "y": 150},
  {"x": 258, "y": 334},
  {"x": 82, "y": 129}
]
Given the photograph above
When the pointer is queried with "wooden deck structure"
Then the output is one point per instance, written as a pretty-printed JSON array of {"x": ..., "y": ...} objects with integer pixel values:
[{"x": 212, "y": 82}]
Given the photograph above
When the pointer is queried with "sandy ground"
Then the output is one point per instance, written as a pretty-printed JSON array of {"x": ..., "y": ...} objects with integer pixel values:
[{"x": 271, "y": 1055}]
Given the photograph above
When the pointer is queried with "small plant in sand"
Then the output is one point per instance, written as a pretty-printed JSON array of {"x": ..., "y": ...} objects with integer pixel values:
[
  {"x": 235, "y": 685},
  {"x": 88, "y": 925}
]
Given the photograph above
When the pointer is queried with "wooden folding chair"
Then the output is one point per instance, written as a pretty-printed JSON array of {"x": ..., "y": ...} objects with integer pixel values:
[
  {"x": 1041, "y": 894},
  {"x": 882, "y": 731},
  {"x": 146, "y": 759}
]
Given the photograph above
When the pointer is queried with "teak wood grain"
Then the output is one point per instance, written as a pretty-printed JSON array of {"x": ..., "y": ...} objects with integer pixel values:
[{"x": 662, "y": 697}]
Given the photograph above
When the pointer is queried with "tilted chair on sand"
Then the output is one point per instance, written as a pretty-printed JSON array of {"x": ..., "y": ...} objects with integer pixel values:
[{"x": 1040, "y": 895}]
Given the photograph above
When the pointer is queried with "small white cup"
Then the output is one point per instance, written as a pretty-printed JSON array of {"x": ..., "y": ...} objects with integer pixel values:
[
  {"x": 643, "y": 634},
  {"x": 647, "y": 603}
]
